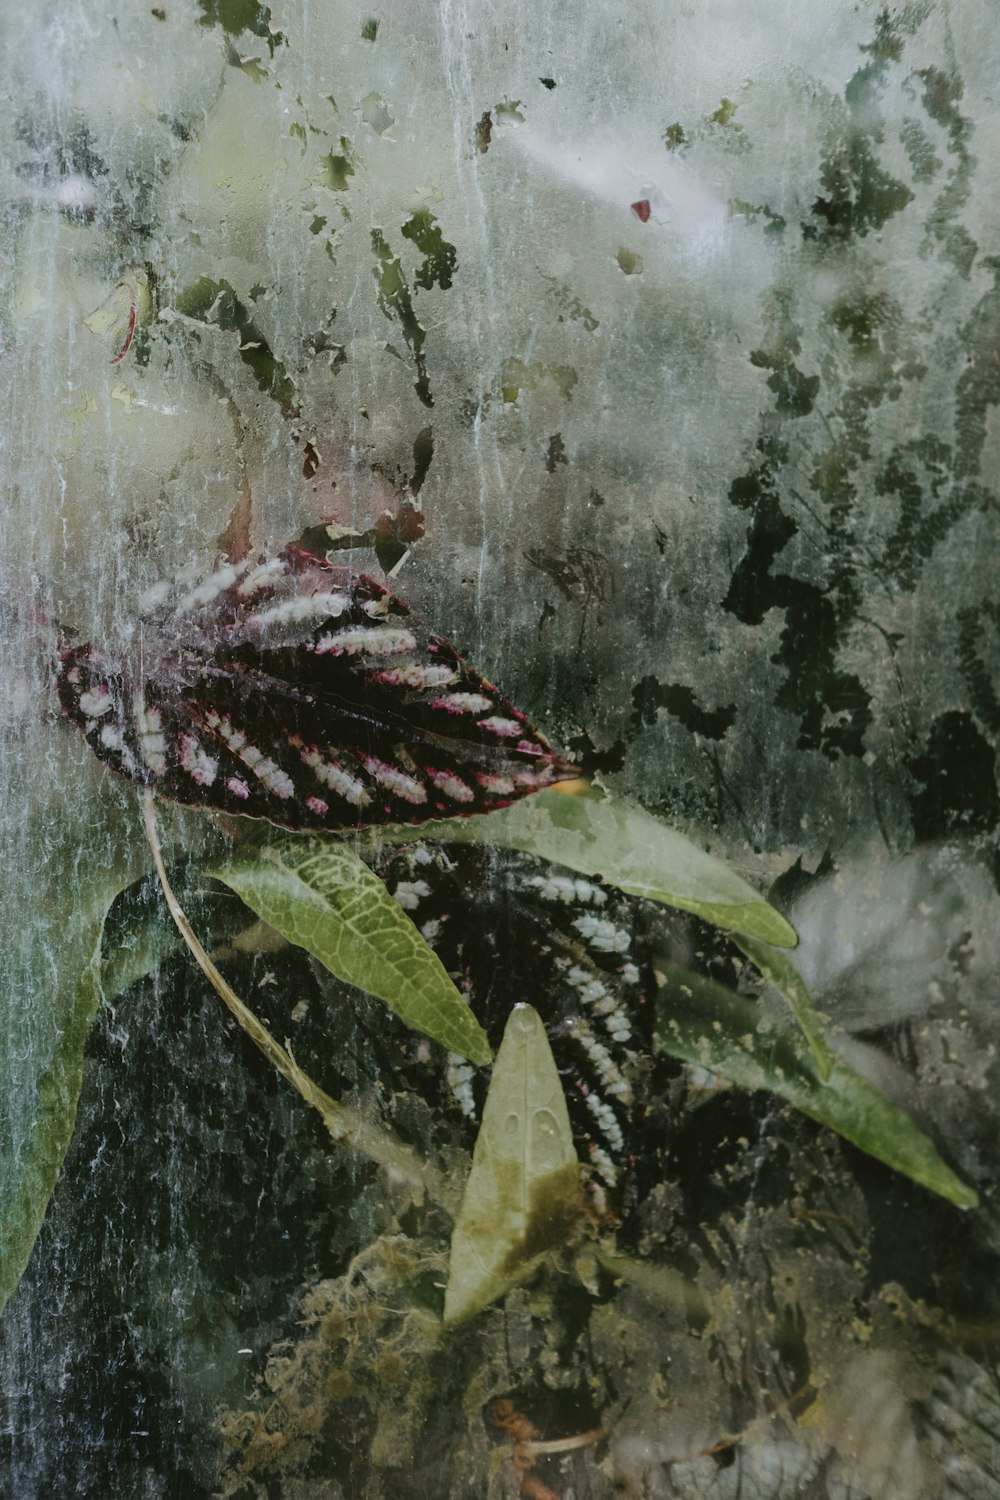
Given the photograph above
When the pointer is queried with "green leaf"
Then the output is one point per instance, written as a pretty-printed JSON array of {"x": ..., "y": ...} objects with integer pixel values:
[
  {"x": 57, "y": 1093},
  {"x": 522, "y": 1197},
  {"x": 140, "y": 934},
  {"x": 707, "y": 1025},
  {"x": 321, "y": 896},
  {"x": 215, "y": 302},
  {"x": 778, "y": 969},
  {"x": 627, "y": 847},
  {"x": 55, "y": 897}
]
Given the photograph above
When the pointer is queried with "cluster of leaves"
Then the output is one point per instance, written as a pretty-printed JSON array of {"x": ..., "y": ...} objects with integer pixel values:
[{"x": 323, "y": 897}]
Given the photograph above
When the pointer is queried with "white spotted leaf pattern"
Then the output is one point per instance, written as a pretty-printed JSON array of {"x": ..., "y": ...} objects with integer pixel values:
[
  {"x": 622, "y": 844},
  {"x": 303, "y": 693}
]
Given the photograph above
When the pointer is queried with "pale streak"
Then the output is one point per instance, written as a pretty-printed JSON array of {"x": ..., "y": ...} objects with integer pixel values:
[
  {"x": 157, "y": 594},
  {"x": 210, "y": 589},
  {"x": 500, "y": 786},
  {"x": 606, "y": 1121},
  {"x": 570, "y": 890},
  {"x": 336, "y": 778},
  {"x": 503, "y": 727},
  {"x": 452, "y": 786},
  {"x": 262, "y": 577},
  {"x": 607, "y": 1069},
  {"x": 370, "y": 640},
  {"x": 603, "y": 936},
  {"x": 394, "y": 780},
  {"x": 196, "y": 761},
  {"x": 415, "y": 675},
  {"x": 294, "y": 611},
  {"x": 96, "y": 703},
  {"x": 270, "y": 775},
  {"x": 464, "y": 703},
  {"x": 409, "y": 893},
  {"x": 152, "y": 741}
]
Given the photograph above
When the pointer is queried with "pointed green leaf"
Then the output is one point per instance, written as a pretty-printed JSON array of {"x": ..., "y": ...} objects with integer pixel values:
[
  {"x": 30, "y": 1187},
  {"x": 627, "y": 847},
  {"x": 55, "y": 902},
  {"x": 707, "y": 1025},
  {"x": 779, "y": 970},
  {"x": 322, "y": 897},
  {"x": 522, "y": 1197}
]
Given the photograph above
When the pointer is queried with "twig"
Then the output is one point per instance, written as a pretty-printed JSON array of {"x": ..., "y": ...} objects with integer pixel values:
[
  {"x": 563, "y": 1445},
  {"x": 343, "y": 1123},
  {"x": 528, "y": 1445},
  {"x": 732, "y": 1440}
]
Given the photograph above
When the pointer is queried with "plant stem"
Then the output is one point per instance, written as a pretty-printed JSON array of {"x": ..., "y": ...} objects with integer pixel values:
[{"x": 343, "y": 1123}]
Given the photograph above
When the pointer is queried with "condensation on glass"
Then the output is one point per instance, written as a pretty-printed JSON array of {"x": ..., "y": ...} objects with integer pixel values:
[{"x": 679, "y": 326}]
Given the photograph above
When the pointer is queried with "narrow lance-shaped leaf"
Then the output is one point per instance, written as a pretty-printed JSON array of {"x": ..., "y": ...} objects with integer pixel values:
[
  {"x": 707, "y": 1025},
  {"x": 30, "y": 1186},
  {"x": 627, "y": 847},
  {"x": 322, "y": 897},
  {"x": 522, "y": 1197},
  {"x": 779, "y": 970},
  {"x": 53, "y": 965}
]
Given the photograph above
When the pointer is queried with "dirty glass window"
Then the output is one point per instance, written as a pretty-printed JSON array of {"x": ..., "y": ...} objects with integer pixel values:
[{"x": 498, "y": 815}]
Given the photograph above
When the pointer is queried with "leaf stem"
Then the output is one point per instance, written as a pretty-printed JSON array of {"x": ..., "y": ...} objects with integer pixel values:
[
  {"x": 535, "y": 1450},
  {"x": 659, "y": 1283},
  {"x": 343, "y": 1123}
]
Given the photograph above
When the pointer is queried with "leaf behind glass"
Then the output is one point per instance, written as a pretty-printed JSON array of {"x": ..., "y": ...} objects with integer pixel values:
[
  {"x": 628, "y": 847},
  {"x": 321, "y": 896},
  {"x": 522, "y": 1196},
  {"x": 707, "y": 1025}
]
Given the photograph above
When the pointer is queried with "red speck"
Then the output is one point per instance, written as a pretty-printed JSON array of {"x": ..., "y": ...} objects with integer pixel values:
[{"x": 641, "y": 209}]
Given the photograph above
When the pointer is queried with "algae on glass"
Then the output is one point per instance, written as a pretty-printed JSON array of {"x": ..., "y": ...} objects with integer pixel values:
[{"x": 650, "y": 358}]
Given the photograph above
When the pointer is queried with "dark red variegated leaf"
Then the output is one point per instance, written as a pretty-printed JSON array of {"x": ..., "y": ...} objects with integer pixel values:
[{"x": 301, "y": 692}]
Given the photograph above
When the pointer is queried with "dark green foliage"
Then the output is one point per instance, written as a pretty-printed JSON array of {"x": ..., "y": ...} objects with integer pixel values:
[
  {"x": 941, "y": 95},
  {"x": 650, "y": 695},
  {"x": 794, "y": 391},
  {"x": 859, "y": 195},
  {"x": 216, "y": 302},
  {"x": 865, "y": 354},
  {"x": 978, "y": 386},
  {"x": 423, "y": 454},
  {"x": 238, "y": 16},
  {"x": 979, "y": 635},
  {"x": 955, "y": 789},
  {"x": 337, "y": 168},
  {"x": 555, "y": 454},
  {"x": 440, "y": 257},
  {"x": 396, "y": 303},
  {"x": 833, "y": 707}
]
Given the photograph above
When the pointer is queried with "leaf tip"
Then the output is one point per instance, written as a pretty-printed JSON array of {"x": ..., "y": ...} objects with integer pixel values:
[
  {"x": 782, "y": 933},
  {"x": 960, "y": 1193},
  {"x": 821, "y": 1057},
  {"x": 480, "y": 1053}
]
